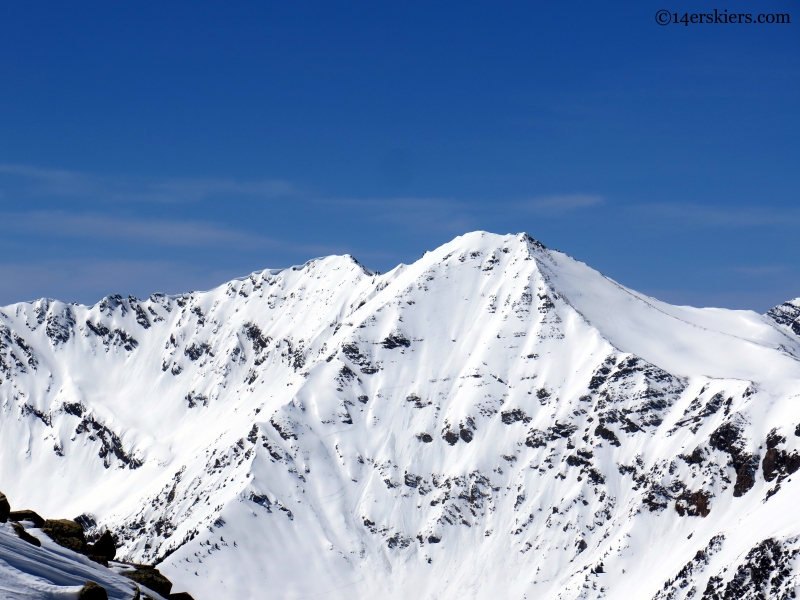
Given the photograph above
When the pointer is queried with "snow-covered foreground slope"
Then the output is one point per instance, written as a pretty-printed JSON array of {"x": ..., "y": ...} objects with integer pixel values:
[
  {"x": 496, "y": 420},
  {"x": 50, "y": 572}
]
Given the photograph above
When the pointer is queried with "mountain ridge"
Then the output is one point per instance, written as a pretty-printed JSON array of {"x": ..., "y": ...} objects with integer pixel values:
[{"x": 350, "y": 430}]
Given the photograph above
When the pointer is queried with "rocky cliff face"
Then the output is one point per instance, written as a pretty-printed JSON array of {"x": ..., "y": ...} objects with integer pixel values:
[
  {"x": 495, "y": 420},
  {"x": 787, "y": 315}
]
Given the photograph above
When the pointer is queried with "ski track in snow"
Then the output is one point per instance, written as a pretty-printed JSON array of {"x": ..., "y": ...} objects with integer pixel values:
[{"x": 496, "y": 420}]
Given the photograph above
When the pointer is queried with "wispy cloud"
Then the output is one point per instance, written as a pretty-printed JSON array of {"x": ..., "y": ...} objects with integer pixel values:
[
  {"x": 33, "y": 181},
  {"x": 63, "y": 227},
  {"x": 458, "y": 216},
  {"x": 560, "y": 203},
  {"x": 436, "y": 214},
  {"x": 699, "y": 215},
  {"x": 86, "y": 281},
  {"x": 161, "y": 232},
  {"x": 762, "y": 271}
]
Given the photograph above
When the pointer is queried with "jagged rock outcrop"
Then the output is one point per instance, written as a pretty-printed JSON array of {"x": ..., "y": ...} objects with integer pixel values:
[
  {"x": 150, "y": 577},
  {"x": 92, "y": 591},
  {"x": 24, "y": 535},
  {"x": 27, "y": 515},
  {"x": 787, "y": 315},
  {"x": 104, "y": 547},
  {"x": 67, "y": 533}
]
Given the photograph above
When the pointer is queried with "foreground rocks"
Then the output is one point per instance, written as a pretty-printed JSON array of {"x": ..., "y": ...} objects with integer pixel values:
[
  {"x": 92, "y": 591},
  {"x": 25, "y": 536},
  {"x": 104, "y": 547},
  {"x": 70, "y": 534},
  {"x": 26, "y": 515},
  {"x": 150, "y": 577},
  {"x": 5, "y": 508},
  {"x": 66, "y": 533}
]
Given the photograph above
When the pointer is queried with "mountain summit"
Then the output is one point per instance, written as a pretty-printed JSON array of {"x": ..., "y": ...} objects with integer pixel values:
[{"x": 496, "y": 420}]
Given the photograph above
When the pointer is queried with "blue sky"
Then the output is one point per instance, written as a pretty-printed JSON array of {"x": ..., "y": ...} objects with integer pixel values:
[{"x": 156, "y": 146}]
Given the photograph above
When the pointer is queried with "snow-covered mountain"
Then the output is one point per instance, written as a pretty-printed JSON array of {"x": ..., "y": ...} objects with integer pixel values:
[{"x": 497, "y": 420}]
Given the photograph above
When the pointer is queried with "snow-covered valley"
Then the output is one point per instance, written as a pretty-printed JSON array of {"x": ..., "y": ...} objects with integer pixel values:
[{"x": 496, "y": 420}]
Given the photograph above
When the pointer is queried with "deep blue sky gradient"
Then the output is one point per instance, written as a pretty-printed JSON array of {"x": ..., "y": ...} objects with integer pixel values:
[{"x": 170, "y": 146}]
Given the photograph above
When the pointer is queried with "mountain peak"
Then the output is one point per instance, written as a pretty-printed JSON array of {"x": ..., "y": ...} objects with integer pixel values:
[{"x": 496, "y": 411}]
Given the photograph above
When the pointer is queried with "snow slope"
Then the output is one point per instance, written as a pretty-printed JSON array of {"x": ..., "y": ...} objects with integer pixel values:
[
  {"x": 50, "y": 572},
  {"x": 495, "y": 420}
]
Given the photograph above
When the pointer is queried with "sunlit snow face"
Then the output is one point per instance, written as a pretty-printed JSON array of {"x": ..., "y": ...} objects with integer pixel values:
[{"x": 495, "y": 420}]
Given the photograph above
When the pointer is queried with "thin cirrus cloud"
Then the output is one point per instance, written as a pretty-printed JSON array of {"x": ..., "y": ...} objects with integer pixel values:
[
  {"x": 436, "y": 214},
  {"x": 560, "y": 204},
  {"x": 85, "y": 280},
  {"x": 60, "y": 224},
  {"x": 761, "y": 271},
  {"x": 700, "y": 215},
  {"x": 34, "y": 181},
  {"x": 459, "y": 216}
]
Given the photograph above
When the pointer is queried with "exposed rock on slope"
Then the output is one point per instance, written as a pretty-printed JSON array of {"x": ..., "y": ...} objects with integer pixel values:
[
  {"x": 787, "y": 315},
  {"x": 495, "y": 420}
]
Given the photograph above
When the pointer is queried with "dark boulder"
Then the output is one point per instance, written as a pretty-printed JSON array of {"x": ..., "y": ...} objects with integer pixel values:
[
  {"x": 104, "y": 547},
  {"x": 92, "y": 591},
  {"x": 24, "y": 535},
  {"x": 536, "y": 439},
  {"x": 745, "y": 476},
  {"x": 395, "y": 341},
  {"x": 180, "y": 596},
  {"x": 66, "y": 533},
  {"x": 792, "y": 463},
  {"x": 26, "y": 515},
  {"x": 777, "y": 463},
  {"x": 450, "y": 437},
  {"x": 775, "y": 439},
  {"x": 693, "y": 504},
  {"x": 728, "y": 438},
  {"x": 772, "y": 464},
  {"x": 512, "y": 416},
  {"x": 608, "y": 435},
  {"x": 695, "y": 458},
  {"x": 599, "y": 568},
  {"x": 151, "y": 578},
  {"x": 5, "y": 508},
  {"x": 98, "y": 559}
]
